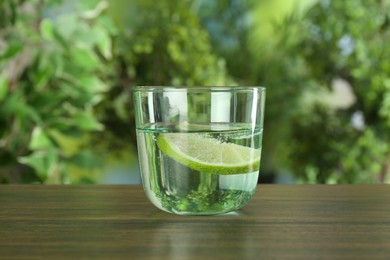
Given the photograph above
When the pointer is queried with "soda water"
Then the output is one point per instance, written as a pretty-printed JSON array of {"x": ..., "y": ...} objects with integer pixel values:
[{"x": 176, "y": 188}]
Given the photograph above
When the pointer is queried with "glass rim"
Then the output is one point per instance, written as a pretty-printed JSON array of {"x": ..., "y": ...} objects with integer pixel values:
[{"x": 197, "y": 88}]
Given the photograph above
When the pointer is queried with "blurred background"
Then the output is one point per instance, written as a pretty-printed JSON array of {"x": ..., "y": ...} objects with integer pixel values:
[{"x": 67, "y": 69}]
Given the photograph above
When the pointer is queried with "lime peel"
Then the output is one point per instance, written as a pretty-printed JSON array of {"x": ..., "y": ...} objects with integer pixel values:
[{"x": 209, "y": 155}]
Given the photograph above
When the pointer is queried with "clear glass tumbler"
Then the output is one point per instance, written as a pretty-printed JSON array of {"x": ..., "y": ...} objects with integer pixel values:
[{"x": 199, "y": 148}]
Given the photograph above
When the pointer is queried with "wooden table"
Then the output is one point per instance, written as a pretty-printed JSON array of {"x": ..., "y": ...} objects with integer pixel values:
[{"x": 118, "y": 222}]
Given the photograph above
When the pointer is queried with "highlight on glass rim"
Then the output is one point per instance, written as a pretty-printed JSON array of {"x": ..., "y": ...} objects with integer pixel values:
[{"x": 69, "y": 71}]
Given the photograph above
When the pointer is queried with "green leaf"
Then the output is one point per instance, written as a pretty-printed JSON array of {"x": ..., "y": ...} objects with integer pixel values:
[
  {"x": 42, "y": 161},
  {"x": 60, "y": 39},
  {"x": 39, "y": 139},
  {"x": 32, "y": 113},
  {"x": 94, "y": 13},
  {"x": 70, "y": 89},
  {"x": 69, "y": 143},
  {"x": 86, "y": 36},
  {"x": 46, "y": 28},
  {"x": 120, "y": 107},
  {"x": 37, "y": 162},
  {"x": 86, "y": 159},
  {"x": 93, "y": 84},
  {"x": 84, "y": 58},
  {"x": 12, "y": 103},
  {"x": 3, "y": 86},
  {"x": 104, "y": 42},
  {"x": 66, "y": 25},
  {"x": 13, "y": 49},
  {"x": 42, "y": 78},
  {"x": 87, "y": 121},
  {"x": 107, "y": 23}
]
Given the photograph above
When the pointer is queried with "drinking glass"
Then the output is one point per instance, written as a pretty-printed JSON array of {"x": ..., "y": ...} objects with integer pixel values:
[{"x": 199, "y": 148}]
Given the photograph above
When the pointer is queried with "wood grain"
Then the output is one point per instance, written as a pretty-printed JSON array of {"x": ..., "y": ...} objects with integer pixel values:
[{"x": 117, "y": 222}]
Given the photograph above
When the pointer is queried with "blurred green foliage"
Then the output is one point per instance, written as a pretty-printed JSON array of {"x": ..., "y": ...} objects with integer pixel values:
[
  {"x": 67, "y": 69},
  {"x": 51, "y": 62},
  {"x": 326, "y": 68},
  {"x": 345, "y": 40}
]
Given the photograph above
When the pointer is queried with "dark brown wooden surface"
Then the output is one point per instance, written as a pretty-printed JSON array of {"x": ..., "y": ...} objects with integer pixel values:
[{"x": 117, "y": 222}]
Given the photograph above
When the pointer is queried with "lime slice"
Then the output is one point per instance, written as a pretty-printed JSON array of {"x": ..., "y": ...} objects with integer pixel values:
[{"x": 208, "y": 154}]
